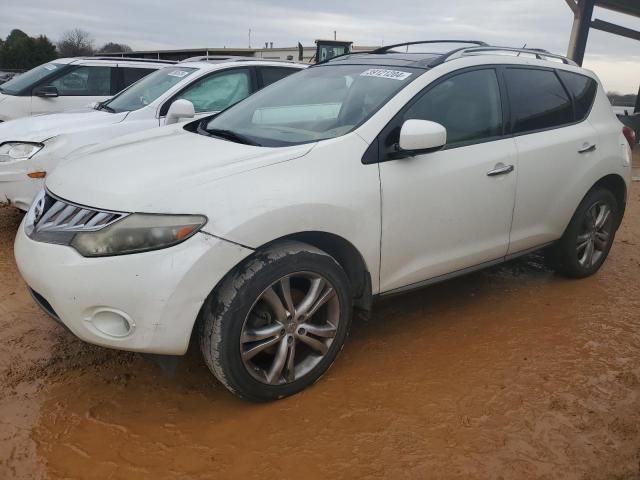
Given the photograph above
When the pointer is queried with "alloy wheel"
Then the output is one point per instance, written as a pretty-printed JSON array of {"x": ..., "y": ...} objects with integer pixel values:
[
  {"x": 290, "y": 328},
  {"x": 594, "y": 238}
]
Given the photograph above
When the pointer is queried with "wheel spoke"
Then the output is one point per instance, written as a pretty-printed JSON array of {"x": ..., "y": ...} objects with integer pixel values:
[
  {"x": 291, "y": 359},
  {"x": 325, "y": 331},
  {"x": 317, "y": 345},
  {"x": 603, "y": 216},
  {"x": 582, "y": 240},
  {"x": 271, "y": 297},
  {"x": 590, "y": 250},
  {"x": 324, "y": 298},
  {"x": 257, "y": 334},
  {"x": 602, "y": 238},
  {"x": 253, "y": 351},
  {"x": 285, "y": 286},
  {"x": 278, "y": 362},
  {"x": 310, "y": 298}
]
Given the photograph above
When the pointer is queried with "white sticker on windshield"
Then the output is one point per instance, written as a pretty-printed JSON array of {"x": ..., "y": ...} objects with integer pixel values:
[
  {"x": 178, "y": 73},
  {"x": 50, "y": 67},
  {"x": 384, "y": 73}
]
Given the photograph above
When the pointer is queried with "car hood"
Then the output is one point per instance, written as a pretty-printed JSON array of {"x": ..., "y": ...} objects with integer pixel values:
[
  {"x": 42, "y": 127},
  {"x": 158, "y": 171},
  {"x": 2, "y": 97}
]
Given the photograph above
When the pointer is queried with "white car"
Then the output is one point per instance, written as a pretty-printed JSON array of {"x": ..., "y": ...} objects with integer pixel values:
[
  {"x": 70, "y": 83},
  {"x": 30, "y": 148},
  {"x": 259, "y": 230}
]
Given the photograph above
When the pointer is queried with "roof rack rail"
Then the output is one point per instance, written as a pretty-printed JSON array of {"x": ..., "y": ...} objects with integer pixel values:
[
  {"x": 386, "y": 48},
  {"x": 129, "y": 59},
  {"x": 539, "y": 53},
  {"x": 233, "y": 58}
]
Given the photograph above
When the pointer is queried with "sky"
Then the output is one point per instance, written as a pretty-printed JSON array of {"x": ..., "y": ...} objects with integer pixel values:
[{"x": 153, "y": 24}]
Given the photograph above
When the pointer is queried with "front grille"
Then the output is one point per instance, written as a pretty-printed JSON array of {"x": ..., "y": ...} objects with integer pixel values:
[
  {"x": 60, "y": 216},
  {"x": 54, "y": 220}
]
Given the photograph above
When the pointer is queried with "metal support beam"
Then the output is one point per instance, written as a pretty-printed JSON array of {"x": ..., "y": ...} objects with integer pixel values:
[
  {"x": 572, "y": 5},
  {"x": 580, "y": 31},
  {"x": 615, "y": 29},
  {"x": 637, "y": 109}
]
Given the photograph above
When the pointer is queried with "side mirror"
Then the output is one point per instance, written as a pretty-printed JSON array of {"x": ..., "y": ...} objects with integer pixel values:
[
  {"x": 422, "y": 136},
  {"x": 180, "y": 110},
  {"x": 46, "y": 91}
]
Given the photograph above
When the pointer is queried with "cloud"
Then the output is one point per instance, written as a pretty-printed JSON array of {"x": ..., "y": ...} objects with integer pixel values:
[{"x": 147, "y": 24}]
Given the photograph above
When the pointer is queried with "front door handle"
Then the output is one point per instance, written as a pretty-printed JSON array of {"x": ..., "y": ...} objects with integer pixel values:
[
  {"x": 587, "y": 148},
  {"x": 500, "y": 169}
]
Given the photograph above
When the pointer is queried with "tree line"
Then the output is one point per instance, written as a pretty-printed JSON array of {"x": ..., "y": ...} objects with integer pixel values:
[{"x": 19, "y": 51}]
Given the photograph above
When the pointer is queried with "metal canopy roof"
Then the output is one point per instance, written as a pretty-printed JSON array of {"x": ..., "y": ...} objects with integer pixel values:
[{"x": 630, "y": 7}]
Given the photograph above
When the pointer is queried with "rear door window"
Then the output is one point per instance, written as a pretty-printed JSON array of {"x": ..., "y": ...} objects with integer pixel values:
[
  {"x": 583, "y": 89},
  {"x": 85, "y": 81},
  {"x": 271, "y": 75},
  {"x": 537, "y": 99}
]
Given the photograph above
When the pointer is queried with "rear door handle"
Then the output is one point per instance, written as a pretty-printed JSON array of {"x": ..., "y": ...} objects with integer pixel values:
[
  {"x": 500, "y": 169},
  {"x": 587, "y": 148}
]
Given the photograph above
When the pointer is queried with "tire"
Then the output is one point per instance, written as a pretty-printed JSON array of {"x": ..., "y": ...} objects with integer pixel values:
[
  {"x": 243, "y": 308},
  {"x": 570, "y": 256}
]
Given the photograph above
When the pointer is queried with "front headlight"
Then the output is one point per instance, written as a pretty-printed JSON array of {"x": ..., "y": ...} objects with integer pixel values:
[
  {"x": 138, "y": 233},
  {"x": 12, "y": 151}
]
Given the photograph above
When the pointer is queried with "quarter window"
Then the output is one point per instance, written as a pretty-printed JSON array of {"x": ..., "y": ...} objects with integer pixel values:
[
  {"x": 217, "y": 92},
  {"x": 583, "y": 89},
  {"x": 537, "y": 100},
  {"x": 468, "y": 105},
  {"x": 85, "y": 81}
]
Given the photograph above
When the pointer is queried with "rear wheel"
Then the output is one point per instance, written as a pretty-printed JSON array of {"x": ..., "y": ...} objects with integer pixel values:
[
  {"x": 277, "y": 323},
  {"x": 587, "y": 241}
]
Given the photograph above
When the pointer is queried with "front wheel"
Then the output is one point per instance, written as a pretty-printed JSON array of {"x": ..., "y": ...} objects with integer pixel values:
[
  {"x": 587, "y": 241},
  {"x": 277, "y": 323}
]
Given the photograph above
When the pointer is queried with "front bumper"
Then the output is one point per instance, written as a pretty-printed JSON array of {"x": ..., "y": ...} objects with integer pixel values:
[{"x": 159, "y": 294}]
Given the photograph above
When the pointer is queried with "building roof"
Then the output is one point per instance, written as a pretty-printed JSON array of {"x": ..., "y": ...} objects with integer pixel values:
[{"x": 630, "y": 7}]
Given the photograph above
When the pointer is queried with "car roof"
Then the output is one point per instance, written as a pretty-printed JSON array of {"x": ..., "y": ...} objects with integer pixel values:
[{"x": 145, "y": 61}]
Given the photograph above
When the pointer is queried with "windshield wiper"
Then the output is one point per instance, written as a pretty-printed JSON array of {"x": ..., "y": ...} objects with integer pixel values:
[
  {"x": 106, "y": 108},
  {"x": 232, "y": 136}
]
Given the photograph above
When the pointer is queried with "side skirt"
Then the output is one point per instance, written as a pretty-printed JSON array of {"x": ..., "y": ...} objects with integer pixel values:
[{"x": 464, "y": 271}]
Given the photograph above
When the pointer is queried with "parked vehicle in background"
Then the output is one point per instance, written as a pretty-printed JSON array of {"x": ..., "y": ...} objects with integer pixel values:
[
  {"x": 259, "y": 229},
  {"x": 6, "y": 76},
  {"x": 70, "y": 83},
  {"x": 30, "y": 148},
  {"x": 631, "y": 120}
]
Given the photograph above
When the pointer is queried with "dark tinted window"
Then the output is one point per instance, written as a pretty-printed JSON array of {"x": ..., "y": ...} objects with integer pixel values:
[
  {"x": 468, "y": 105},
  {"x": 273, "y": 74},
  {"x": 84, "y": 81},
  {"x": 537, "y": 100},
  {"x": 583, "y": 90},
  {"x": 132, "y": 75}
]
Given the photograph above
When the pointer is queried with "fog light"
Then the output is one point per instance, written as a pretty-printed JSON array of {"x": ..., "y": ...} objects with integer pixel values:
[{"x": 112, "y": 323}]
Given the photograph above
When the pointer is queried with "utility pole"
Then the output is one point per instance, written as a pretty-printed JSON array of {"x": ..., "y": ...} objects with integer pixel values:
[
  {"x": 249, "y": 38},
  {"x": 335, "y": 35}
]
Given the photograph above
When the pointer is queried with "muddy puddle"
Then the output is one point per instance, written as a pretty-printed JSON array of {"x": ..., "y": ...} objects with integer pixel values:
[{"x": 507, "y": 373}]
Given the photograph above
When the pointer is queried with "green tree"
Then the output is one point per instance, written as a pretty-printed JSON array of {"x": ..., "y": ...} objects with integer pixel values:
[{"x": 22, "y": 52}]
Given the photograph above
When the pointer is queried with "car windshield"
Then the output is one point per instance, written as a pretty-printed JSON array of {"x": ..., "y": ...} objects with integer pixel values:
[
  {"x": 33, "y": 76},
  {"x": 146, "y": 90},
  {"x": 315, "y": 104}
]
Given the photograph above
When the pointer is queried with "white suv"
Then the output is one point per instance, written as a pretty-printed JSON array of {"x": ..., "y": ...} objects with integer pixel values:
[
  {"x": 370, "y": 174},
  {"x": 30, "y": 148},
  {"x": 69, "y": 83}
]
